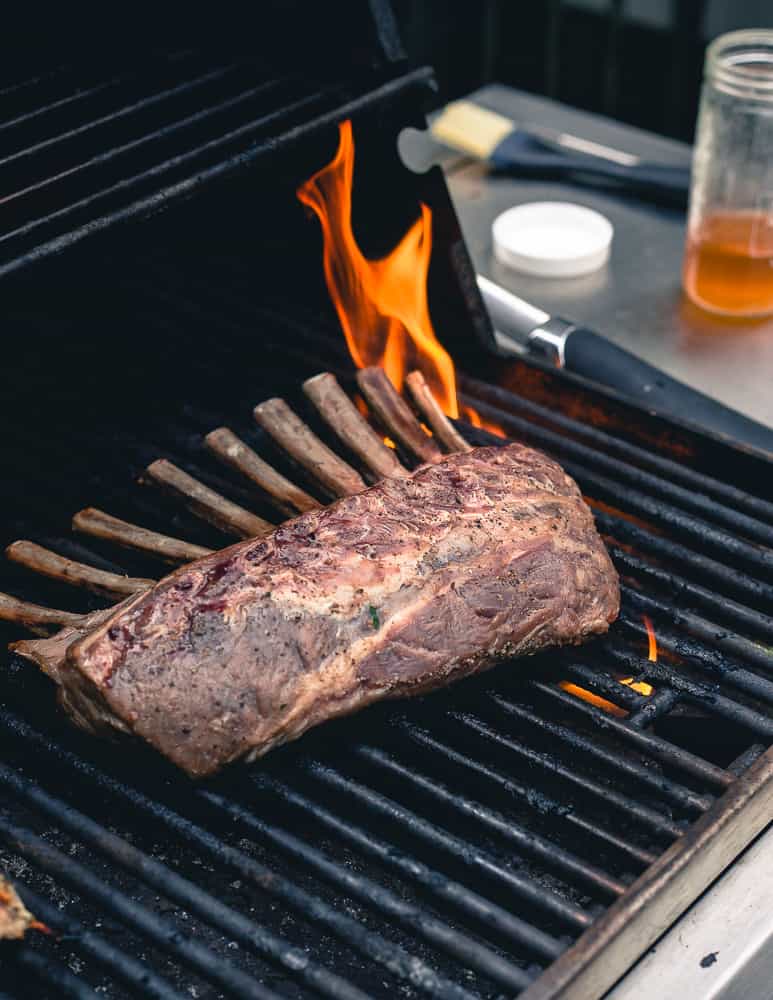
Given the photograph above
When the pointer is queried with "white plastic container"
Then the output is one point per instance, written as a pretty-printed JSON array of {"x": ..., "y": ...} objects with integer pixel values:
[{"x": 552, "y": 239}]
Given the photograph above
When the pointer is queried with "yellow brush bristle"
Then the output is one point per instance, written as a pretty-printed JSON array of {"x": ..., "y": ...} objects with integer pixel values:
[{"x": 471, "y": 129}]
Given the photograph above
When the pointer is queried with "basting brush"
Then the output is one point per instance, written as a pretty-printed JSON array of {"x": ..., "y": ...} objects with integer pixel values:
[{"x": 534, "y": 150}]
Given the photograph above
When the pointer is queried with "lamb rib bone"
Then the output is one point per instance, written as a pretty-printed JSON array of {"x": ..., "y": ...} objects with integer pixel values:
[
  {"x": 205, "y": 502},
  {"x": 430, "y": 409},
  {"x": 340, "y": 413},
  {"x": 48, "y": 563},
  {"x": 98, "y": 524},
  {"x": 302, "y": 444},
  {"x": 33, "y": 615},
  {"x": 395, "y": 414},
  {"x": 286, "y": 496}
]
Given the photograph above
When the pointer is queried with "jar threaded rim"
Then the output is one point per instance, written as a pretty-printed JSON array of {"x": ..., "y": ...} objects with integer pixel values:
[{"x": 741, "y": 63}]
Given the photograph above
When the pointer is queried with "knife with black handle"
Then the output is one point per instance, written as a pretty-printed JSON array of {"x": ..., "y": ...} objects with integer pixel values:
[{"x": 521, "y": 327}]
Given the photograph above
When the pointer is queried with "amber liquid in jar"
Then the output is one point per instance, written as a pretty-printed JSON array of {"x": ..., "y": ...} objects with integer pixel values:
[{"x": 728, "y": 263}]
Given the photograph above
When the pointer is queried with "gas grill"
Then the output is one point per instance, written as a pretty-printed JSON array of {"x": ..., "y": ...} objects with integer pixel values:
[{"x": 529, "y": 832}]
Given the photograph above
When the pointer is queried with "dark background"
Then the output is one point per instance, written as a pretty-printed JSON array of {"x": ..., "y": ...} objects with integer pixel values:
[{"x": 636, "y": 60}]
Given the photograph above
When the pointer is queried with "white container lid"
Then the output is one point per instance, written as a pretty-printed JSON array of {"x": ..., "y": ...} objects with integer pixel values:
[{"x": 552, "y": 239}]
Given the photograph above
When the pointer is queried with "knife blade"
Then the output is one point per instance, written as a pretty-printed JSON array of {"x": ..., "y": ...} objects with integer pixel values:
[{"x": 523, "y": 328}]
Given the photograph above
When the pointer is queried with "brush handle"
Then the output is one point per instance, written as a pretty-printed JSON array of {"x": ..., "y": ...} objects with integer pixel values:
[
  {"x": 589, "y": 354},
  {"x": 527, "y": 154}
]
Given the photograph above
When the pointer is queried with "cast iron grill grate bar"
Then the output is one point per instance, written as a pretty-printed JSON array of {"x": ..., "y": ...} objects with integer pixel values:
[
  {"x": 653, "y": 745},
  {"x": 678, "y": 587},
  {"x": 396, "y": 961},
  {"x": 635, "y": 457},
  {"x": 725, "y": 578},
  {"x": 521, "y": 885},
  {"x": 50, "y": 207},
  {"x": 48, "y": 191},
  {"x": 70, "y": 86},
  {"x": 29, "y": 152},
  {"x": 84, "y": 94},
  {"x": 711, "y": 661},
  {"x": 470, "y": 953},
  {"x": 81, "y": 880},
  {"x": 679, "y": 794},
  {"x": 724, "y": 642},
  {"x": 88, "y": 210},
  {"x": 50, "y": 973},
  {"x": 450, "y": 891},
  {"x": 654, "y": 708},
  {"x": 514, "y": 789},
  {"x": 667, "y": 516},
  {"x": 173, "y": 887},
  {"x": 17, "y": 86},
  {"x": 133, "y": 974},
  {"x": 520, "y": 837}
]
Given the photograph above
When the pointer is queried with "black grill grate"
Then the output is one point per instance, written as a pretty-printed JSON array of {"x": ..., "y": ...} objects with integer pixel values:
[
  {"x": 452, "y": 847},
  {"x": 92, "y": 155}
]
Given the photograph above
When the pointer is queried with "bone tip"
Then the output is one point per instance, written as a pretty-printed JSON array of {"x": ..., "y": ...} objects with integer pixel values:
[
  {"x": 15, "y": 547},
  {"x": 160, "y": 465},
  {"x": 270, "y": 403},
  {"x": 218, "y": 435},
  {"x": 267, "y": 407},
  {"x": 87, "y": 514},
  {"x": 315, "y": 380}
]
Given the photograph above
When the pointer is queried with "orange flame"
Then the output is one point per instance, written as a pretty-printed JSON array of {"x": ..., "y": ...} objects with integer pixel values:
[
  {"x": 641, "y": 686},
  {"x": 476, "y": 420},
  {"x": 653, "y": 642},
  {"x": 381, "y": 304},
  {"x": 593, "y": 699},
  {"x": 471, "y": 415}
]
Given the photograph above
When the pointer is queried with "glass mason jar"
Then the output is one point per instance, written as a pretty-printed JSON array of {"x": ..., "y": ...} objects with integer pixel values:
[{"x": 728, "y": 263}]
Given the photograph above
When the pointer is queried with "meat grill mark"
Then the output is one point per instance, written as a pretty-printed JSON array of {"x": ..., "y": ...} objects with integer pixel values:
[{"x": 486, "y": 555}]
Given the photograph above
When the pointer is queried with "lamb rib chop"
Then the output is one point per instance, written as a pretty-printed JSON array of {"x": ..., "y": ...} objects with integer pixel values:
[{"x": 403, "y": 587}]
